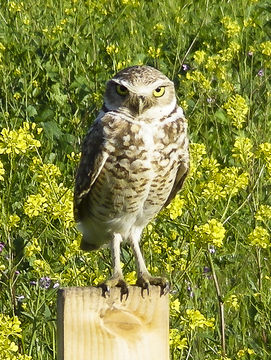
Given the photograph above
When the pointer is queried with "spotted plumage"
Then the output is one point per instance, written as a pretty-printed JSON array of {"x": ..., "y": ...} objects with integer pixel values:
[{"x": 134, "y": 160}]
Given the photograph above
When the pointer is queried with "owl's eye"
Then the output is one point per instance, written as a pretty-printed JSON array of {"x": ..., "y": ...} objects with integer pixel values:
[
  {"x": 121, "y": 90},
  {"x": 158, "y": 92}
]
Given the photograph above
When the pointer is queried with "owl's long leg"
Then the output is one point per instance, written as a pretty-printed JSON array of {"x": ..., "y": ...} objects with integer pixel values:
[
  {"x": 144, "y": 278},
  {"x": 117, "y": 277}
]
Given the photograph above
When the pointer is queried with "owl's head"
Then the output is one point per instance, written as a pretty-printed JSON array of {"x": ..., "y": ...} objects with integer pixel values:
[{"x": 141, "y": 91}]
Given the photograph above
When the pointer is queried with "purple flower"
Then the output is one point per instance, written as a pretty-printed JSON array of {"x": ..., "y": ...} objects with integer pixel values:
[
  {"x": 211, "y": 249},
  {"x": 45, "y": 282},
  {"x": 185, "y": 67},
  {"x": 33, "y": 282},
  {"x": 260, "y": 72},
  {"x": 206, "y": 269}
]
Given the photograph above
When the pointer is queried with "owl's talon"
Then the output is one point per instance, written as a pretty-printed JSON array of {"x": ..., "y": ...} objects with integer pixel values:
[
  {"x": 107, "y": 285},
  {"x": 146, "y": 280},
  {"x": 105, "y": 289}
]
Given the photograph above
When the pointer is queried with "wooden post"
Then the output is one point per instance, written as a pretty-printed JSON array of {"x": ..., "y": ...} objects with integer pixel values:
[{"x": 92, "y": 327}]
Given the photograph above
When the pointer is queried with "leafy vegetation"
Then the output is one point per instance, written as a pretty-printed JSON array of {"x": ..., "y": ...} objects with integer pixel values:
[{"x": 213, "y": 241}]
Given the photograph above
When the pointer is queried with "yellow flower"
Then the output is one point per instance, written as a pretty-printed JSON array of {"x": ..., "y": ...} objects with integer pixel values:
[
  {"x": 184, "y": 105},
  {"x": 41, "y": 267},
  {"x": 112, "y": 49},
  {"x": 20, "y": 141},
  {"x": 199, "y": 78},
  {"x": 231, "y": 26},
  {"x": 32, "y": 248},
  {"x": 237, "y": 110},
  {"x": 176, "y": 340},
  {"x": 265, "y": 152},
  {"x": 154, "y": 52},
  {"x": 211, "y": 190},
  {"x": 199, "y": 56},
  {"x": 13, "y": 221},
  {"x": 15, "y": 7},
  {"x": 35, "y": 205},
  {"x": 249, "y": 22},
  {"x": 242, "y": 149},
  {"x": 197, "y": 319},
  {"x": 17, "y": 96},
  {"x": 175, "y": 208},
  {"x": 160, "y": 28},
  {"x": 259, "y": 237},
  {"x": 266, "y": 48},
  {"x": 242, "y": 353},
  {"x": 175, "y": 306},
  {"x": 233, "y": 302},
  {"x": 213, "y": 232},
  {"x": 263, "y": 213},
  {"x": 231, "y": 181},
  {"x": 2, "y": 171}
]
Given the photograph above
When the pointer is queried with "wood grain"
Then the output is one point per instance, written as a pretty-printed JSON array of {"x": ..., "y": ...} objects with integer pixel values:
[{"x": 92, "y": 327}]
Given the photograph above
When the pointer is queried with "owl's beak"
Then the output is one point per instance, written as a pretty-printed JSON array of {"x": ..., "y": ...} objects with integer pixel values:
[{"x": 137, "y": 103}]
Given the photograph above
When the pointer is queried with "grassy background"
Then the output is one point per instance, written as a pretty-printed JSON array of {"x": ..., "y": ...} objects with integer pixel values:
[{"x": 55, "y": 58}]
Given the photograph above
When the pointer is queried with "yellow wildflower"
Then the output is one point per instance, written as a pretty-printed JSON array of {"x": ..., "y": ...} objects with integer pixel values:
[
  {"x": 259, "y": 237},
  {"x": 263, "y": 213},
  {"x": 231, "y": 26},
  {"x": 197, "y": 319},
  {"x": 112, "y": 49},
  {"x": 199, "y": 78},
  {"x": 175, "y": 306},
  {"x": 265, "y": 152},
  {"x": 35, "y": 205},
  {"x": 20, "y": 141},
  {"x": 32, "y": 248},
  {"x": 266, "y": 48},
  {"x": 175, "y": 208},
  {"x": 233, "y": 302},
  {"x": 242, "y": 353},
  {"x": 41, "y": 267},
  {"x": 160, "y": 28},
  {"x": 237, "y": 110},
  {"x": 154, "y": 52},
  {"x": 2, "y": 171},
  {"x": 13, "y": 221},
  {"x": 242, "y": 149},
  {"x": 213, "y": 232},
  {"x": 176, "y": 340},
  {"x": 199, "y": 56}
]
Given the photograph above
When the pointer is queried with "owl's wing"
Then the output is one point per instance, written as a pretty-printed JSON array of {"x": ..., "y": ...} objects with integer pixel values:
[
  {"x": 91, "y": 164},
  {"x": 178, "y": 183}
]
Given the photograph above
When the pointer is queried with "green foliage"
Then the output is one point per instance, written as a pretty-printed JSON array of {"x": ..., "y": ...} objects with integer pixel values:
[{"x": 55, "y": 58}]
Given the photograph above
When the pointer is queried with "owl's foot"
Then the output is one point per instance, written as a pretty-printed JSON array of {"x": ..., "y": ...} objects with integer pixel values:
[
  {"x": 112, "y": 282},
  {"x": 145, "y": 280}
]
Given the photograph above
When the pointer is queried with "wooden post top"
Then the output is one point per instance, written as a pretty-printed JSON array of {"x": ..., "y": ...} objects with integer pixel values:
[{"x": 94, "y": 327}]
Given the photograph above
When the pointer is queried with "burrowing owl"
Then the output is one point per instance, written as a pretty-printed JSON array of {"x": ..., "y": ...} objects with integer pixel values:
[{"x": 134, "y": 160}]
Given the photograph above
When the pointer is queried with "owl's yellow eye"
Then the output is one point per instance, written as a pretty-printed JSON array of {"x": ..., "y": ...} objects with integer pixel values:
[
  {"x": 159, "y": 91},
  {"x": 121, "y": 90}
]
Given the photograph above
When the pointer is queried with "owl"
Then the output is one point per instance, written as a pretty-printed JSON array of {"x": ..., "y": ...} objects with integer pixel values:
[{"x": 134, "y": 160}]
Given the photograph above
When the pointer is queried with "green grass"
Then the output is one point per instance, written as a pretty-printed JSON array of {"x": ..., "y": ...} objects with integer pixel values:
[{"x": 55, "y": 58}]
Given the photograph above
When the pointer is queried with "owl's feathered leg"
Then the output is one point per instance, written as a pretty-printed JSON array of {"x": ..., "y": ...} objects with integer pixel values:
[
  {"x": 144, "y": 278},
  {"x": 117, "y": 277}
]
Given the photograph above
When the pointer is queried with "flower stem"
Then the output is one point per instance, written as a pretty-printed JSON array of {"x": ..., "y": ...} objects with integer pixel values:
[{"x": 220, "y": 304}]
